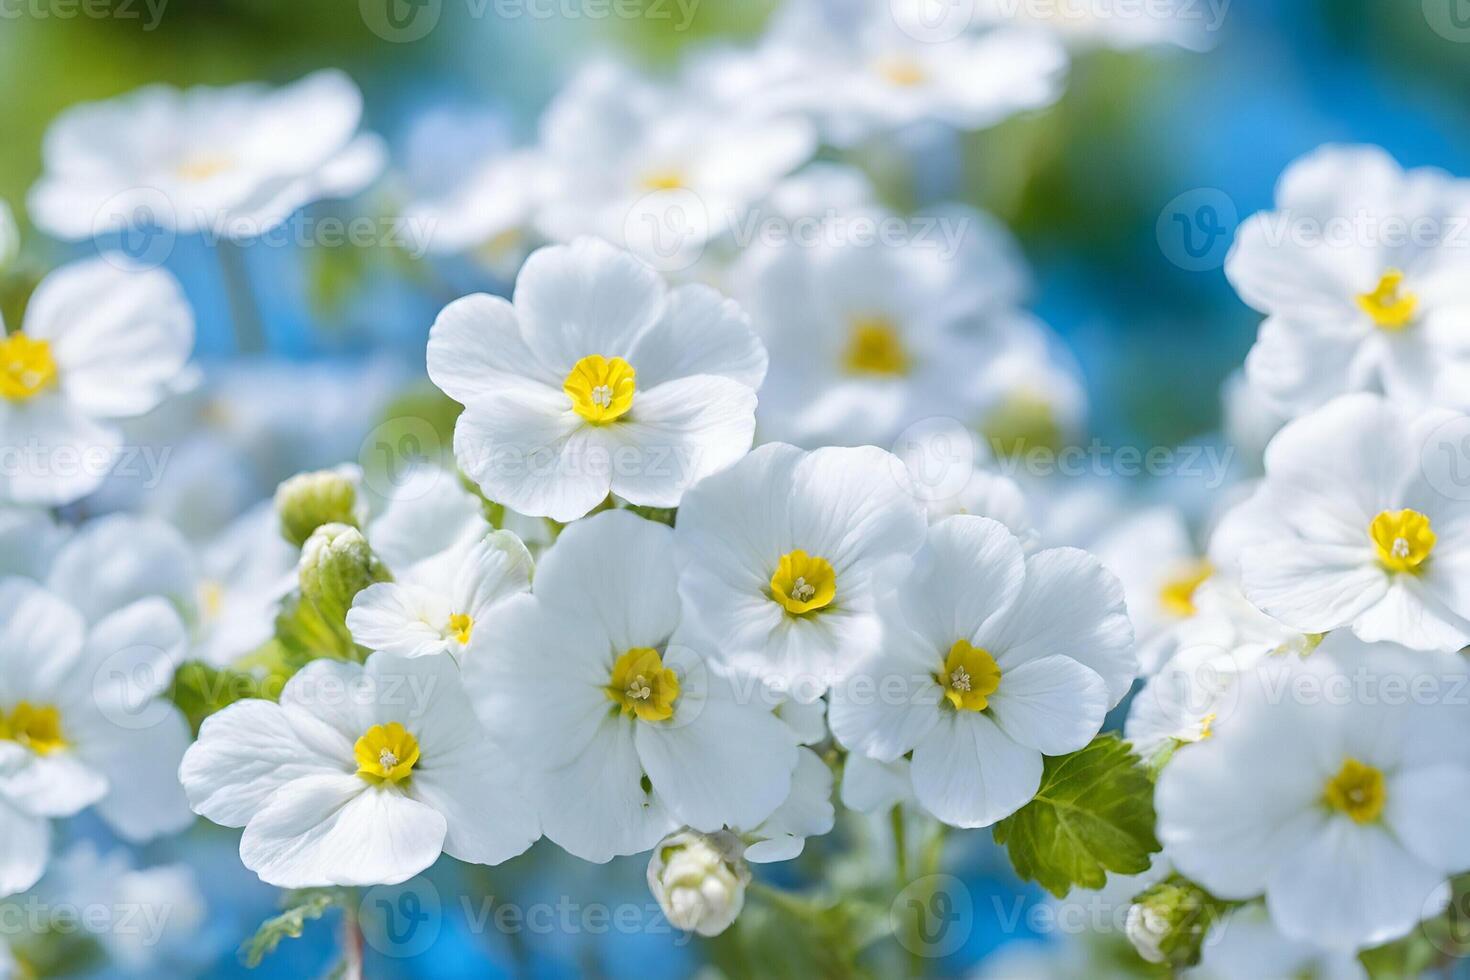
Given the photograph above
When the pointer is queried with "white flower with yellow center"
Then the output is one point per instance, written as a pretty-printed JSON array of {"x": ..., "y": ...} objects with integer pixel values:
[
  {"x": 1357, "y": 527},
  {"x": 655, "y": 170},
  {"x": 438, "y": 609},
  {"x": 1329, "y": 793},
  {"x": 778, "y": 557},
  {"x": 868, "y": 338},
  {"x": 100, "y": 341},
  {"x": 597, "y": 379},
  {"x": 1359, "y": 271},
  {"x": 361, "y": 775},
  {"x": 624, "y": 731},
  {"x": 990, "y": 660},
  {"x": 81, "y": 720},
  {"x": 237, "y": 160}
]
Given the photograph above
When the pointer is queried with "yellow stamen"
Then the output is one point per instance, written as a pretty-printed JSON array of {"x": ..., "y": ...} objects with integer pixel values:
[
  {"x": 601, "y": 388},
  {"x": 211, "y": 600},
  {"x": 203, "y": 166},
  {"x": 1357, "y": 790},
  {"x": 1389, "y": 308},
  {"x": 663, "y": 180},
  {"x": 1177, "y": 593},
  {"x": 875, "y": 347},
  {"x": 26, "y": 367},
  {"x": 1403, "y": 538},
  {"x": 641, "y": 685},
  {"x": 900, "y": 70},
  {"x": 1207, "y": 726},
  {"x": 35, "y": 726},
  {"x": 461, "y": 625},
  {"x": 970, "y": 676},
  {"x": 386, "y": 753},
  {"x": 803, "y": 583}
]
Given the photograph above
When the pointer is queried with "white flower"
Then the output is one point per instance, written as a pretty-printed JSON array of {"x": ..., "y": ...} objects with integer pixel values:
[
  {"x": 1359, "y": 272},
  {"x": 597, "y": 379},
  {"x": 237, "y": 161},
  {"x": 870, "y": 786},
  {"x": 361, "y": 775},
  {"x": 434, "y": 612},
  {"x": 244, "y": 572},
  {"x": 1245, "y": 945},
  {"x": 625, "y": 733},
  {"x": 83, "y": 723},
  {"x": 866, "y": 339},
  {"x": 699, "y": 880},
  {"x": 1083, "y": 24},
  {"x": 1334, "y": 792},
  {"x": 1354, "y": 530},
  {"x": 29, "y": 539},
  {"x": 989, "y": 660},
  {"x": 778, "y": 556},
  {"x": 100, "y": 341},
  {"x": 654, "y": 170}
]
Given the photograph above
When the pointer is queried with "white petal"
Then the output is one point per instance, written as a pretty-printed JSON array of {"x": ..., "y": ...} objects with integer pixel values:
[
  {"x": 116, "y": 560},
  {"x": 970, "y": 570},
  {"x": 969, "y": 773},
  {"x": 475, "y": 349},
  {"x": 1419, "y": 805},
  {"x": 402, "y": 620},
  {"x": 1053, "y": 704},
  {"x": 700, "y": 333},
  {"x": 496, "y": 568},
  {"x": 1312, "y": 587},
  {"x": 145, "y": 799},
  {"x": 477, "y": 789},
  {"x": 337, "y": 830},
  {"x": 25, "y": 844}
]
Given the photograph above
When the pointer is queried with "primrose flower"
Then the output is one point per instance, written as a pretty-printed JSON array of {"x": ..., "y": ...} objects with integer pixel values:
[
  {"x": 101, "y": 341},
  {"x": 596, "y": 379},
  {"x": 990, "y": 660},
  {"x": 361, "y": 775},
  {"x": 625, "y": 732}
]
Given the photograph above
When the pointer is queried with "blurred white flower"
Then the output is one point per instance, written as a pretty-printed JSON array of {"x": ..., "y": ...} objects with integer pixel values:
[
  {"x": 699, "y": 880},
  {"x": 1360, "y": 271},
  {"x": 9, "y": 237},
  {"x": 778, "y": 556},
  {"x": 84, "y": 722},
  {"x": 436, "y": 608},
  {"x": 1245, "y": 945},
  {"x": 806, "y": 812},
  {"x": 1330, "y": 793},
  {"x": 101, "y": 341},
  {"x": 625, "y": 732},
  {"x": 1083, "y": 24},
  {"x": 990, "y": 660},
  {"x": 361, "y": 775},
  {"x": 1357, "y": 527},
  {"x": 597, "y": 379},
  {"x": 235, "y": 161}
]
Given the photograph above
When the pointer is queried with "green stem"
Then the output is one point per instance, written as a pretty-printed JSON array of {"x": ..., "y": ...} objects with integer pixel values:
[{"x": 900, "y": 846}]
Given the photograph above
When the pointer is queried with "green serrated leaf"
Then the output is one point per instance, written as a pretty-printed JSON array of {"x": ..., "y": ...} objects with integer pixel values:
[
  {"x": 1093, "y": 814},
  {"x": 302, "y": 907}
]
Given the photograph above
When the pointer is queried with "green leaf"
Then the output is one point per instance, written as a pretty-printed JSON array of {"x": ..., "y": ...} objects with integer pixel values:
[
  {"x": 199, "y": 690},
  {"x": 301, "y": 907},
  {"x": 1093, "y": 814}
]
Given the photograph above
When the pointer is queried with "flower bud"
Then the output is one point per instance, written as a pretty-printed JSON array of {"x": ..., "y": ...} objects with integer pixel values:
[
  {"x": 308, "y": 500},
  {"x": 699, "y": 880},
  {"x": 1167, "y": 922},
  {"x": 336, "y": 564}
]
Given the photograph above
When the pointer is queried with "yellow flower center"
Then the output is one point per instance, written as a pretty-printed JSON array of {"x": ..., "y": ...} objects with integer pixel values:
[
  {"x": 1357, "y": 790},
  {"x": 1024, "y": 420},
  {"x": 1177, "y": 593},
  {"x": 601, "y": 389},
  {"x": 875, "y": 347},
  {"x": 1403, "y": 538},
  {"x": 386, "y": 753},
  {"x": 663, "y": 180},
  {"x": 203, "y": 166},
  {"x": 26, "y": 367},
  {"x": 970, "y": 676},
  {"x": 35, "y": 726},
  {"x": 1389, "y": 308},
  {"x": 803, "y": 583},
  {"x": 461, "y": 625},
  {"x": 211, "y": 600},
  {"x": 641, "y": 685},
  {"x": 1207, "y": 726},
  {"x": 900, "y": 70}
]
